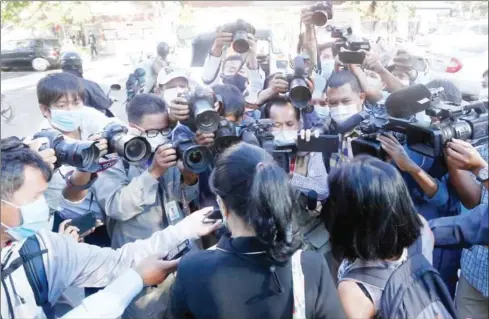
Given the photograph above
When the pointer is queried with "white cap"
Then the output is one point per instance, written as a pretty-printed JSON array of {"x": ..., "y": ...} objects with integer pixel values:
[{"x": 167, "y": 74}]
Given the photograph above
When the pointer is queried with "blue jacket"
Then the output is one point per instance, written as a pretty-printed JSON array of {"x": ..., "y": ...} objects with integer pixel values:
[{"x": 462, "y": 231}]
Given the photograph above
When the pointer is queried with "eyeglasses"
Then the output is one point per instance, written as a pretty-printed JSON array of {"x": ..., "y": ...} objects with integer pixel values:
[{"x": 154, "y": 132}]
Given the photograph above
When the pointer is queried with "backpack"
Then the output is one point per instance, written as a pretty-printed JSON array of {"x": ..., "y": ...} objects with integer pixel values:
[
  {"x": 30, "y": 256},
  {"x": 414, "y": 290}
]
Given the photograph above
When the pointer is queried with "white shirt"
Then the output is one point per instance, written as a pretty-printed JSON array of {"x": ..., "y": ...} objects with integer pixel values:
[{"x": 112, "y": 300}]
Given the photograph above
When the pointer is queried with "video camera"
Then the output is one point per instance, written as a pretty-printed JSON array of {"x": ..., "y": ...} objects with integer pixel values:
[
  {"x": 130, "y": 147},
  {"x": 321, "y": 12},
  {"x": 80, "y": 154},
  {"x": 343, "y": 36},
  {"x": 299, "y": 92},
  {"x": 468, "y": 123},
  {"x": 240, "y": 30},
  {"x": 202, "y": 116}
]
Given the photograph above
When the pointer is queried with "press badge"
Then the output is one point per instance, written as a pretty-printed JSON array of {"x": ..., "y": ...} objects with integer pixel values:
[{"x": 173, "y": 212}]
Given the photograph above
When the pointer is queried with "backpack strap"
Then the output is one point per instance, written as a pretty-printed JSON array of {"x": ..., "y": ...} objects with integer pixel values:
[
  {"x": 298, "y": 287},
  {"x": 31, "y": 255},
  {"x": 373, "y": 276}
]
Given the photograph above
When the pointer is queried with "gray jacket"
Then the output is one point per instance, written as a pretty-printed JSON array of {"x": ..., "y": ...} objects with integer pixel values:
[
  {"x": 134, "y": 205},
  {"x": 72, "y": 264},
  {"x": 133, "y": 202}
]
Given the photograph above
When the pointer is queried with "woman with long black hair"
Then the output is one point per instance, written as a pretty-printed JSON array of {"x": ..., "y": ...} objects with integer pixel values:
[{"x": 250, "y": 273}]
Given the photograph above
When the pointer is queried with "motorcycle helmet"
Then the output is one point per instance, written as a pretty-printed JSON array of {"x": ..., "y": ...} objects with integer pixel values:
[
  {"x": 163, "y": 49},
  {"x": 71, "y": 61}
]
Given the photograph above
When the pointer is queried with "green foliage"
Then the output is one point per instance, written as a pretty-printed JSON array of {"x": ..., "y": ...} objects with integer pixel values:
[
  {"x": 12, "y": 9},
  {"x": 382, "y": 10}
]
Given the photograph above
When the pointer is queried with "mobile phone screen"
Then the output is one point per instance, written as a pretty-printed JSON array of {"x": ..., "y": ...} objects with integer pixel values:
[{"x": 84, "y": 223}]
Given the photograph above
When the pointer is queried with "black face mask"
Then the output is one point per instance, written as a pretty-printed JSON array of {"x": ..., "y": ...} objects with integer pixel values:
[{"x": 237, "y": 80}]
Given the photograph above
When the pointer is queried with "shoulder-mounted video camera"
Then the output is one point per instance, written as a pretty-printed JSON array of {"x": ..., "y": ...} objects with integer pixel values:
[
  {"x": 240, "y": 30},
  {"x": 343, "y": 36},
  {"x": 468, "y": 123}
]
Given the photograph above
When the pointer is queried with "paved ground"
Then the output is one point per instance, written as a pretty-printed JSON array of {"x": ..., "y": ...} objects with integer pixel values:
[{"x": 19, "y": 89}]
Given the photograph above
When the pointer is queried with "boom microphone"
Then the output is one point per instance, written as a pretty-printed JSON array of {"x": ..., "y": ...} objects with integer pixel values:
[{"x": 408, "y": 101}]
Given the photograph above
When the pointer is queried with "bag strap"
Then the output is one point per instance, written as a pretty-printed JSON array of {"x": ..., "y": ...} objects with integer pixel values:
[
  {"x": 298, "y": 287},
  {"x": 31, "y": 254},
  {"x": 374, "y": 276}
]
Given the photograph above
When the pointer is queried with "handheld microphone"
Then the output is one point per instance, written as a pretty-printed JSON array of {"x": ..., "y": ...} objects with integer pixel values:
[
  {"x": 408, "y": 101},
  {"x": 352, "y": 122}
]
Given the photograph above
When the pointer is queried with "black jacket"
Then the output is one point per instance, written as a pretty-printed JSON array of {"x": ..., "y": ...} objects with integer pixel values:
[{"x": 228, "y": 284}]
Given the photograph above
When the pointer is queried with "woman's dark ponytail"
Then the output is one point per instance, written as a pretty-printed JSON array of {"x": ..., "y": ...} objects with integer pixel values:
[
  {"x": 272, "y": 210},
  {"x": 257, "y": 190}
]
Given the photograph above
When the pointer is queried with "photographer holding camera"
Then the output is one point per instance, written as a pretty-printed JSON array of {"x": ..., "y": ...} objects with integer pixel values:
[
  {"x": 240, "y": 70},
  {"x": 60, "y": 98},
  {"x": 39, "y": 265}
]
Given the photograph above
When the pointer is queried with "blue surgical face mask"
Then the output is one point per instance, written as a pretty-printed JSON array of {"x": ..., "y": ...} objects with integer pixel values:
[
  {"x": 66, "y": 121},
  {"x": 35, "y": 216},
  {"x": 322, "y": 112},
  {"x": 237, "y": 80}
]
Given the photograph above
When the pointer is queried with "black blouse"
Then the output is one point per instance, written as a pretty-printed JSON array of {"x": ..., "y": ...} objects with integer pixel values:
[{"x": 238, "y": 281}]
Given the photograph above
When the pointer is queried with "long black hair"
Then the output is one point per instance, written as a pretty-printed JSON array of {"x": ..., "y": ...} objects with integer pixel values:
[
  {"x": 369, "y": 212},
  {"x": 256, "y": 189}
]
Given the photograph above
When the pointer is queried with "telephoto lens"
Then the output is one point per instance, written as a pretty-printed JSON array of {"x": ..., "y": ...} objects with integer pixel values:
[
  {"x": 130, "y": 147},
  {"x": 202, "y": 117},
  {"x": 195, "y": 158},
  {"x": 79, "y": 154},
  {"x": 240, "y": 30},
  {"x": 299, "y": 92}
]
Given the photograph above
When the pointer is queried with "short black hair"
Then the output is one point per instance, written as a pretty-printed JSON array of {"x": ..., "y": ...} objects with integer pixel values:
[
  {"x": 451, "y": 93},
  {"x": 342, "y": 77},
  {"x": 369, "y": 212},
  {"x": 257, "y": 190},
  {"x": 143, "y": 104},
  {"x": 327, "y": 45},
  {"x": 54, "y": 86},
  {"x": 280, "y": 100},
  {"x": 232, "y": 99},
  {"x": 15, "y": 157}
]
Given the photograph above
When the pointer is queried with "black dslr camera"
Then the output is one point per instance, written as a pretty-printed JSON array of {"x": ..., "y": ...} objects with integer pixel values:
[
  {"x": 195, "y": 158},
  {"x": 226, "y": 135},
  {"x": 343, "y": 35},
  {"x": 321, "y": 12},
  {"x": 202, "y": 116},
  {"x": 80, "y": 154},
  {"x": 240, "y": 30},
  {"x": 130, "y": 147},
  {"x": 299, "y": 92}
]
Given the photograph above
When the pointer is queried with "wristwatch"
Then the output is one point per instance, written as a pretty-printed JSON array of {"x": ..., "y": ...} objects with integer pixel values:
[{"x": 483, "y": 175}]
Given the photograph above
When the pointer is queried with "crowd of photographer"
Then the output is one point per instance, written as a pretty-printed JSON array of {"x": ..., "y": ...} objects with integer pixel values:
[{"x": 349, "y": 188}]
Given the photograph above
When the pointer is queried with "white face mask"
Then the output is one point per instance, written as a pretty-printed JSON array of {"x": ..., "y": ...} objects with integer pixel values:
[
  {"x": 342, "y": 112},
  {"x": 327, "y": 67},
  {"x": 285, "y": 136},
  {"x": 376, "y": 83},
  {"x": 170, "y": 94},
  {"x": 405, "y": 82},
  {"x": 156, "y": 141},
  {"x": 422, "y": 117},
  {"x": 321, "y": 112}
]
